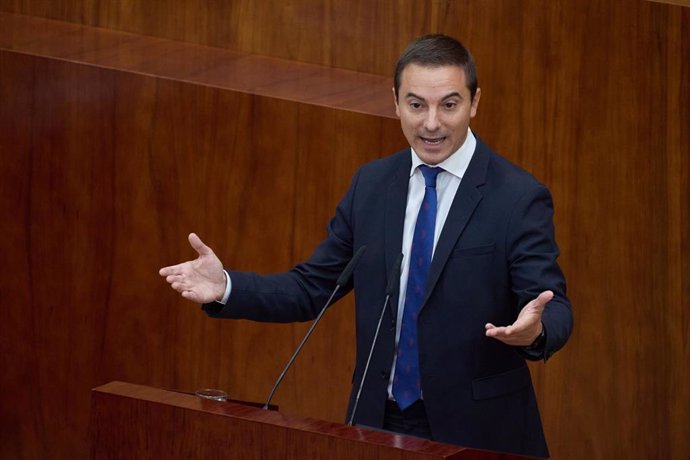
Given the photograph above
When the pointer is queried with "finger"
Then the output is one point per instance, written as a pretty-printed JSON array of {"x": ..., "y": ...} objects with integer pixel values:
[
  {"x": 171, "y": 270},
  {"x": 542, "y": 299},
  {"x": 179, "y": 287},
  {"x": 175, "y": 278},
  {"x": 499, "y": 332},
  {"x": 190, "y": 295},
  {"x": 199, "y": 245},
  {"x": 181, "y": 269}
]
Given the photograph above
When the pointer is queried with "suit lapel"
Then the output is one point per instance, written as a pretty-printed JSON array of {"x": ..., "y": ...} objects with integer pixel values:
[
  {"x": 464, "y": 203},
  {"x": 396, "y": 202}
]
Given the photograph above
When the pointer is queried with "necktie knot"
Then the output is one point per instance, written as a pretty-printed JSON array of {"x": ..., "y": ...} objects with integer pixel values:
[{"x": 430, "y": 175}]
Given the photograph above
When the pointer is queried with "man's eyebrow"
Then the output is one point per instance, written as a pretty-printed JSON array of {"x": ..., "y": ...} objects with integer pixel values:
[{"x": 447, "y": 96}]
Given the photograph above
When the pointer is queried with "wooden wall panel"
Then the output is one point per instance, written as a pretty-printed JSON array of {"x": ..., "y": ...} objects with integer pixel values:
[
  {"x": 207, "y": 66},
  {"x": 20, "y": 423},
  {"x": 106, "y": 173},
  {"x": 362, "y": 36},
  {"x": 56, "y": 243},
  {"x": 592, "y": 97}
]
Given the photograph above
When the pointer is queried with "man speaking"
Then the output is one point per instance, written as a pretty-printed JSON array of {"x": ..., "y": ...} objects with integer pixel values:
[{"x": 479, "y": 291}]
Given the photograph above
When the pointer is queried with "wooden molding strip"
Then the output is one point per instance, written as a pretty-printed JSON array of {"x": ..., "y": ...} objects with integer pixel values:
[
  {"x": 216, "y": 67},
  {"x": 673, "y": 2}
]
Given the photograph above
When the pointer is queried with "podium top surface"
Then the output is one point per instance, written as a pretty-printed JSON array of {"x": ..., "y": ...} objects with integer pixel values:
[{"x": 274, "y": 421}]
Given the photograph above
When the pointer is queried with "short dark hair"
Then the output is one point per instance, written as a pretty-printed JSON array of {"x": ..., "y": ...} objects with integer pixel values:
[{"x": 437, "y": 50}]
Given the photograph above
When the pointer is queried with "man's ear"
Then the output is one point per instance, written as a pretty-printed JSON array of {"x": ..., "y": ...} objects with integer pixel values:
[
  {"x": 475, "y": 103},
  {"x": 395, "y": 101}
]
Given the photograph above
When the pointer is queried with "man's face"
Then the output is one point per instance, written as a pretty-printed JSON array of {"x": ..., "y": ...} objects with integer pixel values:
[{"x": 435, "y": 109}]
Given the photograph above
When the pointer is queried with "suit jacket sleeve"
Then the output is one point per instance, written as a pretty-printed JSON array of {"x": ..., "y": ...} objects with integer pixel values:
[{"x": 532, "y": 252}]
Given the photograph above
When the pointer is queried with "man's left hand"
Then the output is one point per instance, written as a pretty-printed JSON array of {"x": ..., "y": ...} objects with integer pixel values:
[{"x": 526, "y": 328}]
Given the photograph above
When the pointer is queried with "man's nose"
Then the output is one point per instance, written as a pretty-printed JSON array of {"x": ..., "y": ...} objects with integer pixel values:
[{"x": 431, "y": 122}]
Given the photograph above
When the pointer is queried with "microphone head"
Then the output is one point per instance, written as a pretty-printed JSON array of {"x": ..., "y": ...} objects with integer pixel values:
[{"x": 345, "y": 276}]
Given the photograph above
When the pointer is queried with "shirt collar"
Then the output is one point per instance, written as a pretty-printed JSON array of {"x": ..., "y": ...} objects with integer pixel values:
[{"x": 457, "y": 163}]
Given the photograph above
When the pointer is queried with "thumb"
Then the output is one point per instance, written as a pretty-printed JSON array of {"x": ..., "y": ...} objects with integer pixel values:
[
  {"x": 542, "y": 299},
  {"x": 199, "y": 245}
]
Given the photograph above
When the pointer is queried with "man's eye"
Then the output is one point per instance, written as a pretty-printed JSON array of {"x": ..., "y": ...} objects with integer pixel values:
[
  {"x": 451, "y": 105},
  {"x": 415, "y": 105}
]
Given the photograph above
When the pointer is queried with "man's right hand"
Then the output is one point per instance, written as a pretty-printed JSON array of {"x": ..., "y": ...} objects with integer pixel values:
[{"x": 201, "y": 280}]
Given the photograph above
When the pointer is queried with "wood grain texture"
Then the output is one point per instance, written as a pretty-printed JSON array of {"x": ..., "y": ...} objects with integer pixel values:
[
  {"x": 360, "y": 36},
  {"x": 592, "y": 97},
  {"x": 135, "y": 421},
  {"x": 105, "y": 173},
  {"x": 674, "y": 2},
  {"x": 237, "y": 71}
]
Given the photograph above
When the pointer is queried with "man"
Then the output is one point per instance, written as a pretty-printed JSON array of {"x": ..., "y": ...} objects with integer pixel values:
[{"x": 478, "y": 239}]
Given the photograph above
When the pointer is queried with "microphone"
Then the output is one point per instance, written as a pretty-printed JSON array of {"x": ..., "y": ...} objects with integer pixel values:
[
  {"x": 343, "y": 279},
  {"x": 393, "y": 277},
  {"x": 397, "y": 269}
]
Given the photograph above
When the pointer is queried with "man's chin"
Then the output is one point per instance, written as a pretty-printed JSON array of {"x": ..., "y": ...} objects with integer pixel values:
[{"x": 432, "y": 156}]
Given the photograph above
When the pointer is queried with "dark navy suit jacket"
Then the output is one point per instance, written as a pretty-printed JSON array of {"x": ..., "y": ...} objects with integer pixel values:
[{"x": 496, "y": 252}]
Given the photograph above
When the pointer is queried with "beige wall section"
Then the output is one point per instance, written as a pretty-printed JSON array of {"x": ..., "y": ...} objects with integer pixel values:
[{"x": 104, "y": 173}]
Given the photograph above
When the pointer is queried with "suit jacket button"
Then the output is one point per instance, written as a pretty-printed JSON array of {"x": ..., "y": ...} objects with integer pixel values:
[{"x": 384, "y": 375}]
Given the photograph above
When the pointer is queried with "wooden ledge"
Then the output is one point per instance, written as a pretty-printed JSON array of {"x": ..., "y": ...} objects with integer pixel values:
[
  {"x": 203, "y": 65},
  {"x": 122, "y": 414}
]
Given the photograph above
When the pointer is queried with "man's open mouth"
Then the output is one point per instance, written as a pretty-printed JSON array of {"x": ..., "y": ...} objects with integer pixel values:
[{"x": 432, "y": 140}]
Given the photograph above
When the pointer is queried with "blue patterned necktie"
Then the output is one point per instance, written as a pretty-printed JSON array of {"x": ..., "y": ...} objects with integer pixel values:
[{"x": 406, "y": 382}]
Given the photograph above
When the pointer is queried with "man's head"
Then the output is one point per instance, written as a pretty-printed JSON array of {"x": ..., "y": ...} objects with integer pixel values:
[
  {"x": 437, "y": 51},
  {"x": 436, "y": 95}
]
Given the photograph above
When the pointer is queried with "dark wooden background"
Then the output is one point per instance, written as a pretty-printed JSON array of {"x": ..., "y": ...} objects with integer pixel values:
[{"x": 118, "y": 139}]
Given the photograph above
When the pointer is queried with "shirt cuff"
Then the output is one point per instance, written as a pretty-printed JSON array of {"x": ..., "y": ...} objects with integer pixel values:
[
  {"x": 535, "y": 351},
  {"x": 228, "y": 289}
]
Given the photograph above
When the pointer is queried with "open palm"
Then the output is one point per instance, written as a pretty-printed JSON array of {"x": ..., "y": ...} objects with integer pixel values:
[
  {"x": 201, "y": 280},
  {"x": 526, "y": 327}
]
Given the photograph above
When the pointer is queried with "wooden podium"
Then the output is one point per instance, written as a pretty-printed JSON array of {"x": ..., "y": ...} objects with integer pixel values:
[{"x": 138, "y": 422}]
